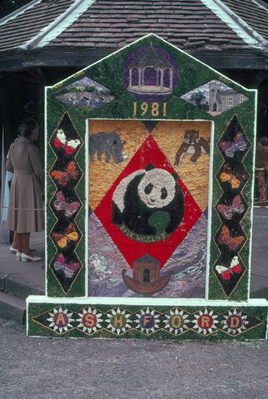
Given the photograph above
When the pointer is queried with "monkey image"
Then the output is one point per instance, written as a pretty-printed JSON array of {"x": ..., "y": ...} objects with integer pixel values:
[{"x": 192, "y": 144}]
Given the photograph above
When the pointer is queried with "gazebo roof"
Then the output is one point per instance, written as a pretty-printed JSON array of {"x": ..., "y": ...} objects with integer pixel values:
[
  {"x": 151, "y": 58},
  {"x": 78, "y": 32}
]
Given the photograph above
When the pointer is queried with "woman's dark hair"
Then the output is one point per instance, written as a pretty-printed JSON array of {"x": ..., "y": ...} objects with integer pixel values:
[
  {"x": 27, "y": 126},
  {"x": 264, "y": 141}
]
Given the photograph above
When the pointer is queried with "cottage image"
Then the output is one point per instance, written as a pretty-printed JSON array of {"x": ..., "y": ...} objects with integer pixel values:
[{"x": 85, "y": 93}]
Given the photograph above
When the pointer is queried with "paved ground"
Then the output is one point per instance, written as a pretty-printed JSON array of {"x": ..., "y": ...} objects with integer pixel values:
[
  {"x": 27, "y": 274},
  {"x": 33, "y": 368}
]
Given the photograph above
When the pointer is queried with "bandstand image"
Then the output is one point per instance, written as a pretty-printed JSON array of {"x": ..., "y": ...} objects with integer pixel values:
[{"x": 151, "y": 73}]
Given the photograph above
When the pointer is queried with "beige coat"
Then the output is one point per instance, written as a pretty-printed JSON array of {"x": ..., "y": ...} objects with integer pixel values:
[{"x": 26, "y": 187}]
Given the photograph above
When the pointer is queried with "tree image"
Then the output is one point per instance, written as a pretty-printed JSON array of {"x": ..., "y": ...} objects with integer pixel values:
[{"x": 197, "y": 98}]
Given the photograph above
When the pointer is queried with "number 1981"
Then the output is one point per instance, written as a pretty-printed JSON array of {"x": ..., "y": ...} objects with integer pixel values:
[{"x": 153, "y": 109}]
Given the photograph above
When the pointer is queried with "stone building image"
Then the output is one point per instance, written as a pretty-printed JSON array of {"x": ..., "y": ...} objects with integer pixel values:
[
  {"x": 221, "y": 97},
  {"x": 214, "y": 97}
]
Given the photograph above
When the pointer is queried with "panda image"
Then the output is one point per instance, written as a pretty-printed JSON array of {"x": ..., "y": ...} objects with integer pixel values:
[{"x": 148, "y": 201}]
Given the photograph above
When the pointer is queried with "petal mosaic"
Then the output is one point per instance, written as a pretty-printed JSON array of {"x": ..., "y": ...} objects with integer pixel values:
[
  {"x": 96, "y": 321},
  {"x": 214, "y": 97},
  {"x": 65, "y": 203},
  {"x": 232, "y": 177},
  {"x": 85, "y": 92}
]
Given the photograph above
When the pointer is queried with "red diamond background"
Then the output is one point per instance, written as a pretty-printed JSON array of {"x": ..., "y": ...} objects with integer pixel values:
[{"x": 148, "y": 153}]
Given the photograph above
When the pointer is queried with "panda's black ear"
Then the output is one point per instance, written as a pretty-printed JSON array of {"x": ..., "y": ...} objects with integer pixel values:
[
  {"x": 175, "y": 175},
  {"x": 150, "y": 166}
]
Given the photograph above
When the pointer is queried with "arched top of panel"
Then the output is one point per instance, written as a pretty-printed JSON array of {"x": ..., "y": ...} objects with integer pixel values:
[{"x": 148, "y": 71}]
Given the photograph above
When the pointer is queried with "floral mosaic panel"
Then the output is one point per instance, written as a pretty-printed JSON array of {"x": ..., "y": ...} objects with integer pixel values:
[
  {"x": 168, "y": 143},
  {"x": 150, "y": 208}
]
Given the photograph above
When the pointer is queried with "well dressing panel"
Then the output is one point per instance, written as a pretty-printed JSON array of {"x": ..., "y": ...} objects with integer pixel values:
[{"x": 149, "y": 186}]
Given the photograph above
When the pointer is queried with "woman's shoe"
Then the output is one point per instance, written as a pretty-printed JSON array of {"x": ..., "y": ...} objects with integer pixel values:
[
  {"x": 13, "y": 250},
  {"x": 18, "y": 256},
  {"x": 26, "y": 258}
]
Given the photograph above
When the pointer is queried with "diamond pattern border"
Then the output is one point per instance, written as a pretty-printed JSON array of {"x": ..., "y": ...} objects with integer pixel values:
[
  {"x": 65, "y": 174},
  {"x": 232, "y": 177}
]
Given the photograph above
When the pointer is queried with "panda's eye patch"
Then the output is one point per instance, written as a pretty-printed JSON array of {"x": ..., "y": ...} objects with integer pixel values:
[
  {"x": 148, "y": 188},
  {"x": 163, "y": 193}
]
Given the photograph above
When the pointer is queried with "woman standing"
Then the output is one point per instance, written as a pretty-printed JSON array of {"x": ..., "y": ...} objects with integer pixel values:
[{"x": 26, "y": 213}]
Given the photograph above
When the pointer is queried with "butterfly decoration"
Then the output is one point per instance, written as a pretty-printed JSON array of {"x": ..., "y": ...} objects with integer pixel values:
[
  {"x": 68, "y": 269},
  {"x": 69, "y": 146},
  {"x": 69, "y": 208},
  {"x": 63, "y": 239},
  {"x": 227, "y": 211},
  {"x": 227, "y": 272},
  {"x": 229, "y": 176},
  {"x": 237, "y": 144},
  {"x": 225, "y": 238},
  {"x": 63, "y": 177}
]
